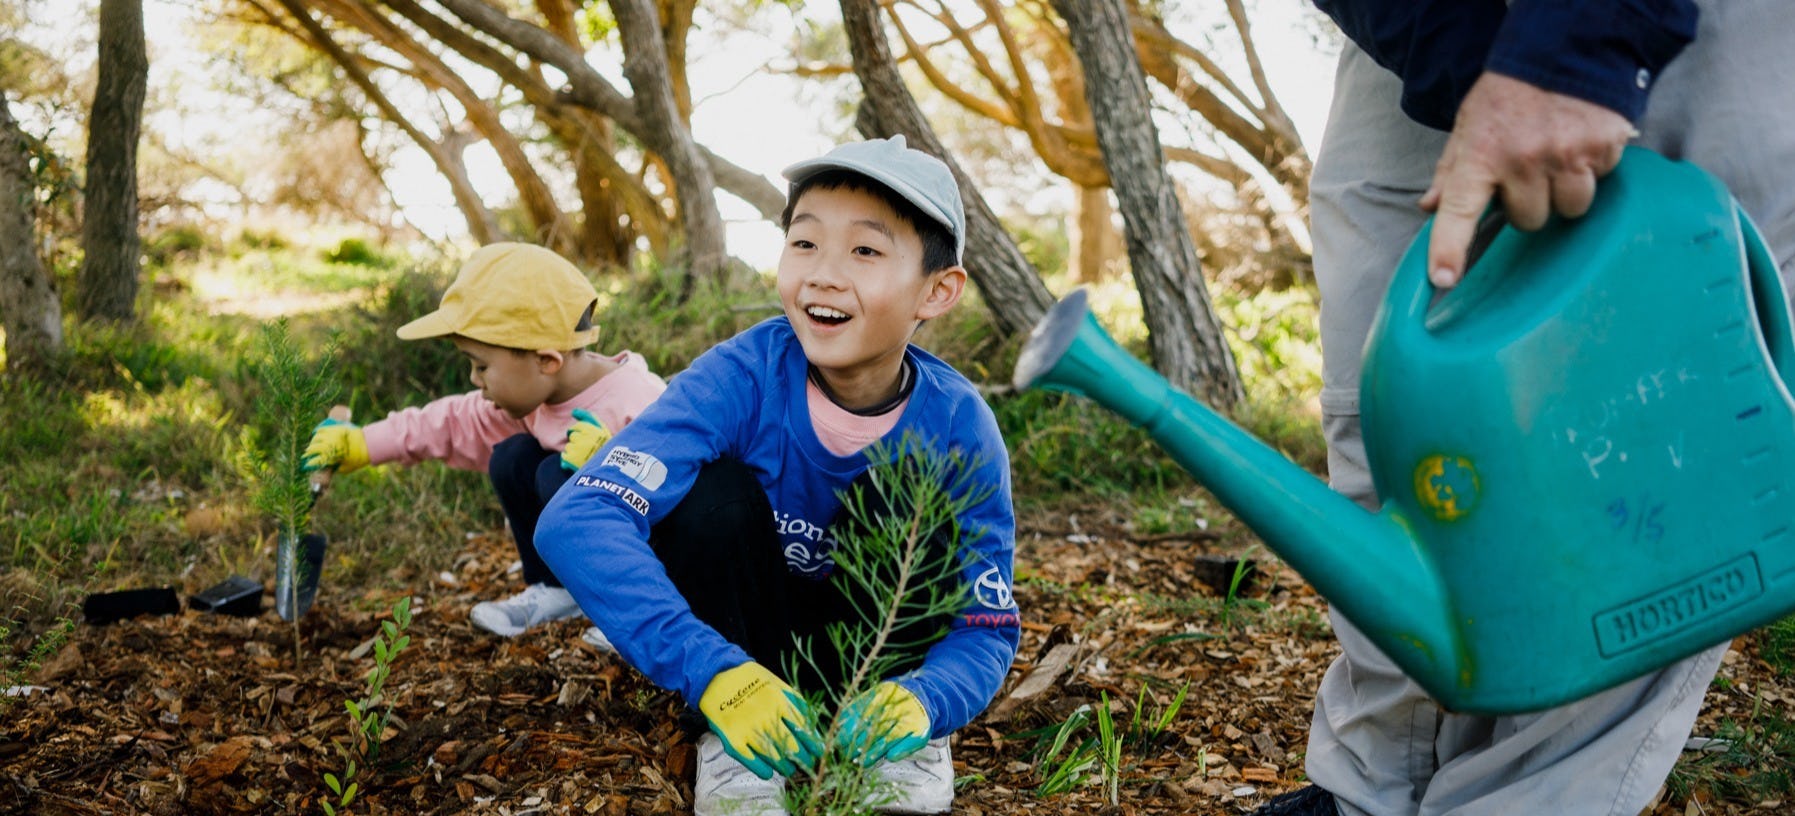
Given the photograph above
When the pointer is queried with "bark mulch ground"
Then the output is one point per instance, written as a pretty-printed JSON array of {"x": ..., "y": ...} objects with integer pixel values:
[{"x": 207, "y": 714}]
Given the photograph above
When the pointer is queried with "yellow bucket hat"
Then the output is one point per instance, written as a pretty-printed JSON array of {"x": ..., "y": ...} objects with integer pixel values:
[{"x": 518, "y": 296}]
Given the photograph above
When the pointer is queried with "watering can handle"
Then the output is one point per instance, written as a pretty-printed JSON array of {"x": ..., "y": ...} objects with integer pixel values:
[
  {"x": 1414, "y": 291},
  {"x": 1771, "y": 302}
]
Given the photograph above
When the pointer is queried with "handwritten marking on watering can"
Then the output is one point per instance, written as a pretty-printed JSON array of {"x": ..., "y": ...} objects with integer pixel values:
[
  {"x": 1678, "y": 606},
  {"x": 1596, "y": 448},
  {"x": 1640, "y": 517},
  {"x": 1447, "y": 486}
]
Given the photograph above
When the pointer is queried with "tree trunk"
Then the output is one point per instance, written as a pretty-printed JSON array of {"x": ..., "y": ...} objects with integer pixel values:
[
  {"x": 28, "y": 302},
  {"x": 1012, "y": 288},
  {"x": 645, "y": 66},
  {"x": 106, "y": 288},
  {"x": 1183, "y": 332},
  {"x": 1093, "y": 236}
]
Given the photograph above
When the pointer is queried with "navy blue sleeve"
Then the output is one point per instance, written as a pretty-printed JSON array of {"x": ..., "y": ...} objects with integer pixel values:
[
  {"x": 1603, "y": 51},
  {"x": 1608, "y": 53},
  {"x": 1437, "y": 47}
]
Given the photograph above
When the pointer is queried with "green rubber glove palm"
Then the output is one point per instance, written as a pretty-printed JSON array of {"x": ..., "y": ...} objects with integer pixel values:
[
  {"x": 584, "y": 438},
  {"x": 338, "y": 445},
  {"x": 885, "y": 723},
  {"x": 763, "y": 723}
]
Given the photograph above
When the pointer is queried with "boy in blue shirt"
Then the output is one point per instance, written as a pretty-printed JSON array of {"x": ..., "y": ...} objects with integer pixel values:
[{"x": 699, "y": 539}]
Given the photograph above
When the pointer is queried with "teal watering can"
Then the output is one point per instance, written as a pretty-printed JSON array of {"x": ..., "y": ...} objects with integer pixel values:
[{"x": 1584, "y": 450}]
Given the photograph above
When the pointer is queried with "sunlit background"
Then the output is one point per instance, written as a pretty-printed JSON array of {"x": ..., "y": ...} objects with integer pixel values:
[{"x": 227, "y": 141}]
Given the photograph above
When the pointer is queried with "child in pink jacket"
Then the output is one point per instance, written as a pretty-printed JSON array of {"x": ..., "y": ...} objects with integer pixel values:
[{"x": 522, "y": 316}]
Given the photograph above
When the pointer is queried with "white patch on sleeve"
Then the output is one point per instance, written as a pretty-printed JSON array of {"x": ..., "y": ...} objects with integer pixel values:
[{"x": 646, "y": 470}]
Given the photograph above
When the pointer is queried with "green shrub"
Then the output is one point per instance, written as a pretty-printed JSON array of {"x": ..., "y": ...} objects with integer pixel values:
[
  {"x": 1062, "y": 444},
  {"x": 251, "y": 238},
  {"x": 355, "y": 252},
  {"x": 381, "y": 372},
  {"x": 180, "y": 241}
]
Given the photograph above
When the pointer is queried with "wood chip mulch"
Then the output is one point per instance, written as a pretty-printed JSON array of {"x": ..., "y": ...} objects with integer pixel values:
[{"x": 195, "y": 713}]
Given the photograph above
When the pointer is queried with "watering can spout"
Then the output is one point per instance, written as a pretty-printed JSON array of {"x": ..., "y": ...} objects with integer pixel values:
[{"x": 1366, "y": 564}]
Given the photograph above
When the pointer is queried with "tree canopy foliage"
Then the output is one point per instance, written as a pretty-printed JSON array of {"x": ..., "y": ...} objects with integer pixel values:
[{"x": 586, "y": 108}]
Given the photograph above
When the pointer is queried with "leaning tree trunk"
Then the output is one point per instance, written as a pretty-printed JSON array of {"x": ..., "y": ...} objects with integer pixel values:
[
  {"x": 1011, "y": 286},
  {"x": 106, "y": 288},
  {"x": 1183, "y": 332},
  {"x": 645, "y": 66},
  {"x": 28, "y": 302},
  {"x": 1094, "y": 242}
]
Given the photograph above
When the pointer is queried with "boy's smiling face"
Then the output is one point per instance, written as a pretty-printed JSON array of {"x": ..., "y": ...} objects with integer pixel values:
[{"x": 852, "y": 283}]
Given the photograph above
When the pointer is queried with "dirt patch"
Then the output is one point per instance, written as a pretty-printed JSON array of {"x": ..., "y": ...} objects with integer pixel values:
[{"x": 203, "y": 714}]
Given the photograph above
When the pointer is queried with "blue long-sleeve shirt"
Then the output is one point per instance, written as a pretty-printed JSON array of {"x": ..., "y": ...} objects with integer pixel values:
[
  {"x": 745, "y": 399},
  {"x": 1608, "y": 52}
]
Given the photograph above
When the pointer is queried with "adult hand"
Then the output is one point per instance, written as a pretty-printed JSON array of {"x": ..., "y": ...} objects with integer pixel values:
[
  {"x": 584, "y": 438},
  {"x": 885, "y": 723},
  {"x": 1541, "y": 151},
  {"x": 763, "y": 723},
  {"x": 338, "y": 445}
]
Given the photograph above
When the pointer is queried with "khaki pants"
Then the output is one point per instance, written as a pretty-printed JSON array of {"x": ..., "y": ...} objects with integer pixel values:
[{"x": 1378, "y": 743}]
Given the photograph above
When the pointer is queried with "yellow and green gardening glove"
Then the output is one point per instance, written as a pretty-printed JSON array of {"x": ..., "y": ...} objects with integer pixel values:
[
  {"x": 584, "y": 438},
  {"x": 763, "y": 723},
  {"x": 885, "y": 723},
  {"x": 338, "y": 445}
]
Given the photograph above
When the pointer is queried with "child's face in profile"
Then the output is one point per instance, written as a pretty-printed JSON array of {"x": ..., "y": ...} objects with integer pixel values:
[
  {"x": 514, "y": 381},
  {"x": 851, "y": 282}
]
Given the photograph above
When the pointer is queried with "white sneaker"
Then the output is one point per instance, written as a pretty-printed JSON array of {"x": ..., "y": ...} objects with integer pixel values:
[
  {"x": 595, "y": 638},
  {"x": 538, "y": 603},
  {"x": 923, "y": 782},
  {"x": 725, "y": 787}
]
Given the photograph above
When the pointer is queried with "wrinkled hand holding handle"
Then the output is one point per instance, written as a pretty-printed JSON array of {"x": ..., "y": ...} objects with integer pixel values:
[{"x": 762, "y": 721}]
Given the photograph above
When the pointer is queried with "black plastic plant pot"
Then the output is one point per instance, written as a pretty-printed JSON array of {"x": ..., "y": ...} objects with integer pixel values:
[
  {"x": 235, "y": 595},
  {"x": 106, "y": 607},
  {"x": 309, "y": 560}
]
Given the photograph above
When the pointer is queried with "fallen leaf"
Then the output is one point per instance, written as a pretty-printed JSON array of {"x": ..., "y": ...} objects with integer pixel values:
[{"x": 222, "y": 761}]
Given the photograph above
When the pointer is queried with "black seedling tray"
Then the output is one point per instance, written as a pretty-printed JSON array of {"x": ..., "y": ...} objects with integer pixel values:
[
  {"x": 106, "y": 607},
  {"x": 235, "y": 595}
]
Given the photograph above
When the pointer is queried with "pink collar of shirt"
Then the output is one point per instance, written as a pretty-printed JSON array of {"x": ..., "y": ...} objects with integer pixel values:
[{"x": 843, "y": 432}]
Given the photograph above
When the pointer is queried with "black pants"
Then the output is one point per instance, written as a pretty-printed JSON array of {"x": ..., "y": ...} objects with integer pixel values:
[
  {"x": 721, "y": 550},
  {"x": 526, "y": 476}
]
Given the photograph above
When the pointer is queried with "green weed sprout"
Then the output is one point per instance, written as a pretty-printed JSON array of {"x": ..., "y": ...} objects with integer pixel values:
[
  {"x": 899, "y": 556},
  {"x": 366, "y": 725},
  {"x": 1233, "y": 601},
  {"x": 1063, "y": 773},
  {"x": 1110, "y": 748},
  {"x": 13, "y": 672},
  {"x": 1066, "y": 755},
  {"x": 296, "y": 392}
]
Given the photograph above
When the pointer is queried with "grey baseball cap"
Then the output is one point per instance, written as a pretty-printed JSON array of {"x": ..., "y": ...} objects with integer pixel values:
[{"x": 920, "y": 178}]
